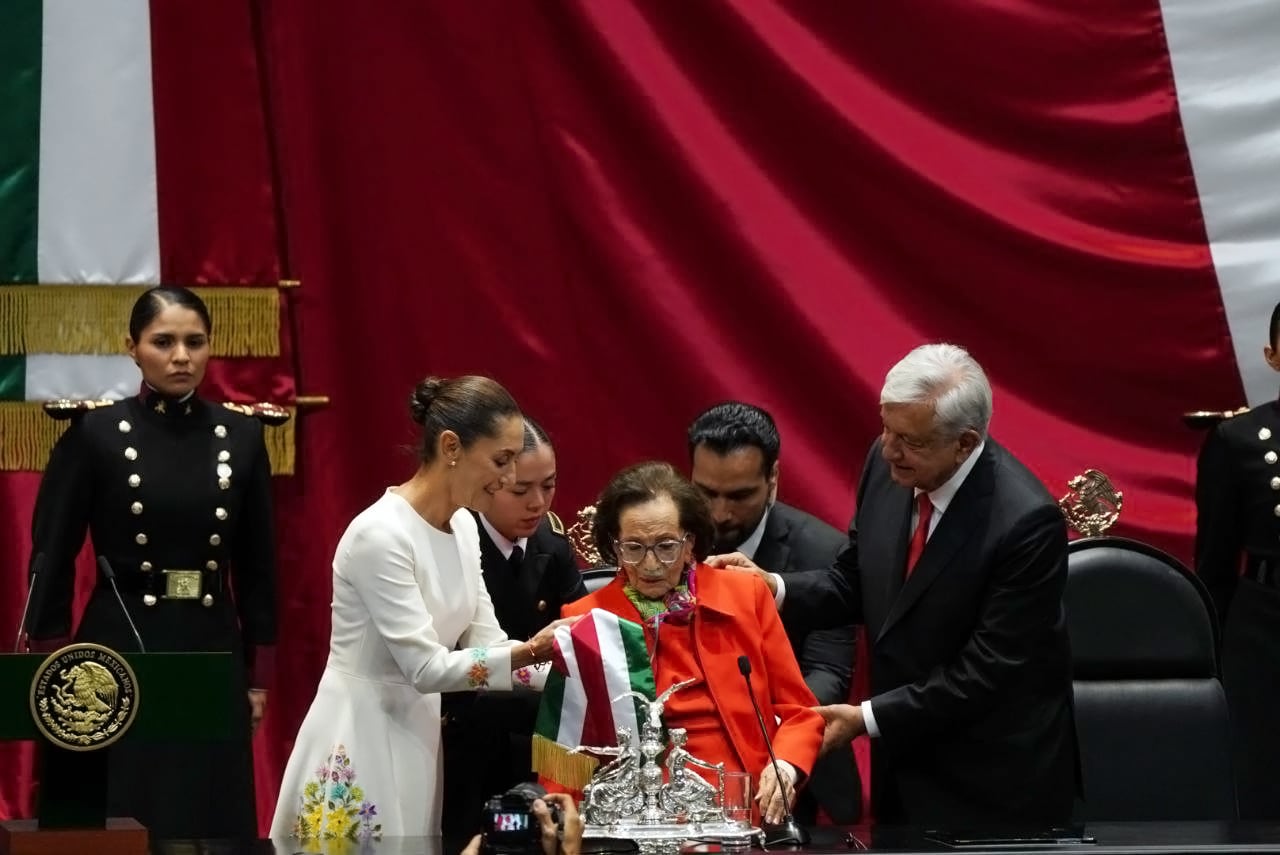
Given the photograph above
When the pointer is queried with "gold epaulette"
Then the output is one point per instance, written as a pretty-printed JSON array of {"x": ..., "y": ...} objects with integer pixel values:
[
  {"x": 556, "y": 525},
  {"x": 269, "y": 414},
  {"x": 1209, "y": 418},
  {"x": 66, "y": 408}
]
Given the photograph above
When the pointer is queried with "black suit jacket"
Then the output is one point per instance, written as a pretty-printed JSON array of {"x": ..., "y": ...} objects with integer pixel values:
[
  {"x": 794, "y": 540},
  {"x": 971, "y": 668}
]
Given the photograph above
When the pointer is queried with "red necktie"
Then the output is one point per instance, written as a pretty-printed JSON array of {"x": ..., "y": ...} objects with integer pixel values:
[{"x": 922, "y": 532}]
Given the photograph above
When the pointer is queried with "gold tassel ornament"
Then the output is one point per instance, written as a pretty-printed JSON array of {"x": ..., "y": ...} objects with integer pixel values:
[{"x": 91, "y": 319}]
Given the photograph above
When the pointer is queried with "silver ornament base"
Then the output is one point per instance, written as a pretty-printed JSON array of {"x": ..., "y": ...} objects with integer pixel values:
[{"x": 670, "y": 838}]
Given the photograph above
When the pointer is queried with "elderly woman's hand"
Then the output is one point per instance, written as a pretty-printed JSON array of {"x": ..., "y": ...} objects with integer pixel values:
[
  {"x": 740, "y": 562},
  {"x": 770, "y": 794}
]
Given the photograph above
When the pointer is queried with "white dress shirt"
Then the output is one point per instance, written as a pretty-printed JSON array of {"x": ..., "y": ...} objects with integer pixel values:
[
  {"x": 506, "y": 547},
  {"x": 749, "y": 546}
]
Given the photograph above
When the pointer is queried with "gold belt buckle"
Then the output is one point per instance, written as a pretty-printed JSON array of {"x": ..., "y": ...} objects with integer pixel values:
[{"x": 181, "y": 584}]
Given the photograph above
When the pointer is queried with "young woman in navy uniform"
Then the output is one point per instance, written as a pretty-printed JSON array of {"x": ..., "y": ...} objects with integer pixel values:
[
  {"x": 175, "y": 492},
  {"x": 529, "y": 572},
  {"x": 1238, "y": 526}
]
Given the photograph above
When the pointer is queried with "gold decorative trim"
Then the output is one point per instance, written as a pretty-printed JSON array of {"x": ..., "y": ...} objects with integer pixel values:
[
  {"x": 281, "y": 443},
  {"x": 91, "y": 319},
  {"x": 552, "y": 760},
  {"x": 27, "y": 436},
  {"x": 582, "y": 537},
  {"x": 1209, "y": 418}
]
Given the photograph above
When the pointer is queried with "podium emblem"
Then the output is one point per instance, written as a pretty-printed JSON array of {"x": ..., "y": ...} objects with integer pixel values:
[{"x": 84, "y": 697}]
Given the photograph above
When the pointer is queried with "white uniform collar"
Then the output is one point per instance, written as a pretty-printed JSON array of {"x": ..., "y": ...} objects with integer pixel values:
[{"x": 505, "y": 546}]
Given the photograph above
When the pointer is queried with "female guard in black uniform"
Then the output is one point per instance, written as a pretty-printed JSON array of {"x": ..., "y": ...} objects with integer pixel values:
[
  {"x": 175, "y": 492},
  {"x": 1238, "y": 528}
]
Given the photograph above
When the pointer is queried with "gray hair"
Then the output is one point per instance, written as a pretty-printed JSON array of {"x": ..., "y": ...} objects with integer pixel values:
[{"x": 946, "y": 376}]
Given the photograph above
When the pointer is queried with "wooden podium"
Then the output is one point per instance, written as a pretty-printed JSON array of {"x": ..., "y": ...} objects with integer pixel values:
[{"x": 180, "y": 696}]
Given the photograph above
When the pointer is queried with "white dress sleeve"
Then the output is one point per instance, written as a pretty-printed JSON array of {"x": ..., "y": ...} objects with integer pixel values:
[{"x": 381, "y": 571}]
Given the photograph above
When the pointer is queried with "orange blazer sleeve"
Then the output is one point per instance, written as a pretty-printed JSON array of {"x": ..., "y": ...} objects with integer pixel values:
[{"x": 799, "y": 734}]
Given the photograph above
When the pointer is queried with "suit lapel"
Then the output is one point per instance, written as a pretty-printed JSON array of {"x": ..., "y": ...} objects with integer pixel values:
[
  {"x": 903, "y": 507},
  {"x": 534, "y": 565},
  {"x": 532, "y": 572},
  {"x": 962, "y": 520},
  {"x": 612, "y": 598},
  {"x": 774, "y": 551}
]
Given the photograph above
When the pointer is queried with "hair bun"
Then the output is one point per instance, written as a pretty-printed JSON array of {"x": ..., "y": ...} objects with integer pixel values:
[{"x": 424, "y": 395}]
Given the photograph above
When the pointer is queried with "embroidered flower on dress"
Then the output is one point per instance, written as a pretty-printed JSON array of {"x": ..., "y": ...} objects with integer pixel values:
[
  {"x": 334, "y": 806},
  {"x": 478, "y": 675}
]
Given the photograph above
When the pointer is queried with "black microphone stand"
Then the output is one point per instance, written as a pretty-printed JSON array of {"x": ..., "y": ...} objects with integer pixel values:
[
  {"x": 788, "y": 832},
  {"x": 105, "y": 566},
  {"x": 33, "y": 578}
]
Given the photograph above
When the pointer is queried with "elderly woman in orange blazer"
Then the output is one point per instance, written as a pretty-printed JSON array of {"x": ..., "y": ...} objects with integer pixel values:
[{"x": 698, "y": 620}]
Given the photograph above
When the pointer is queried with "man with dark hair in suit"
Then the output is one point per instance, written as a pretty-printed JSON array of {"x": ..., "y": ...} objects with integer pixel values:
[
  {"x": 956, "y": 564},
  {"x": 733, "y": 448},
  {"x": 1238, "y": 525}
]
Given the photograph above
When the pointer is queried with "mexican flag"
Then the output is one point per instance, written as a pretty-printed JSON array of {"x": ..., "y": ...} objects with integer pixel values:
[
  {"x": 133, "y": 152},
  {"x": 598, "y": 661},
  {"x": 109, "y": 177}
]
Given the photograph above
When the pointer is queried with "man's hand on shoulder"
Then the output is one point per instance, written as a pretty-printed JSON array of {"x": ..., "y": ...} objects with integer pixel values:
[{"x": 738, "y": 561}]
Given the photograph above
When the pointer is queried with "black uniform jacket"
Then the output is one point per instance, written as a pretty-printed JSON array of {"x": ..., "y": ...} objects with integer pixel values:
[{"x": 176, "y": 495}]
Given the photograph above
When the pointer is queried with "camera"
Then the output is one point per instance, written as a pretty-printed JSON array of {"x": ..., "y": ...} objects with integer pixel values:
[{"x": 510, "y": 828}]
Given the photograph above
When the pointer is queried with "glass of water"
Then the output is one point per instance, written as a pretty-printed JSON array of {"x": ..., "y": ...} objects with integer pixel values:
[{"x": 737, "y": 799}]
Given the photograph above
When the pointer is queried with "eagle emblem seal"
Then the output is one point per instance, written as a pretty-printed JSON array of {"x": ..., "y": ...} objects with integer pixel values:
[{"x": 84, "y": 697}]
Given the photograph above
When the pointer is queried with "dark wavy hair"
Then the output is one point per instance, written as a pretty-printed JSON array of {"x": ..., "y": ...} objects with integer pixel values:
[
  {"x": 471, "y": 406},
  {"x": 642, "y": 483}
]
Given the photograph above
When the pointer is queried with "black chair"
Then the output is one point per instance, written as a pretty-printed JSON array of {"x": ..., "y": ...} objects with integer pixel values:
[
  {"x": 1151, "y": 716},
  {"x": 597, "y": 577}
]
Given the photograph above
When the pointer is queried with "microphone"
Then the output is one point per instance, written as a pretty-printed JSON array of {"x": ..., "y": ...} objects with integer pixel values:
[
  {"x": 788, "y": 832},
  {"x": 105, "y": 566},
  {"x": 37, "y": 564}
]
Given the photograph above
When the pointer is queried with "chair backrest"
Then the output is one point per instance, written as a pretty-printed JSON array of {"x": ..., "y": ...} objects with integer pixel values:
[
  {"x": 597, "y": 577},
  {"x": 1151, "y": 716}
]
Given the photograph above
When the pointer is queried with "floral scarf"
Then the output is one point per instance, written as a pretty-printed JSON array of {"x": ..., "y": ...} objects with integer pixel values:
[{"x": 676, "y": 606}]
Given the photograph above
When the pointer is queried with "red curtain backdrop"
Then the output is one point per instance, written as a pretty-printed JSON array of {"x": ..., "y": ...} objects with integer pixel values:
[{"x": 627, "y": 211}]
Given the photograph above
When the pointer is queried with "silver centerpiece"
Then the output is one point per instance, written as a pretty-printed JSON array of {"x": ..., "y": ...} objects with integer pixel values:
[{"x": 631, "y": 798}]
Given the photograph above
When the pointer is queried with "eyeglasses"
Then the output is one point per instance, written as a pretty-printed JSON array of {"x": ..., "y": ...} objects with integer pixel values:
[{"x": 666, "y": 551}]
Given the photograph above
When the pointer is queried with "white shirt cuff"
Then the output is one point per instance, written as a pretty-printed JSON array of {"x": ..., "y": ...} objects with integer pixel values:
[
  {"x": 869, "y": 720},
  {"x": 781, "y": 593}
]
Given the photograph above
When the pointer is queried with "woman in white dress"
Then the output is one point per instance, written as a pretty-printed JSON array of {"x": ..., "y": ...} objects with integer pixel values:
[{"x": 411, "y": 619}]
